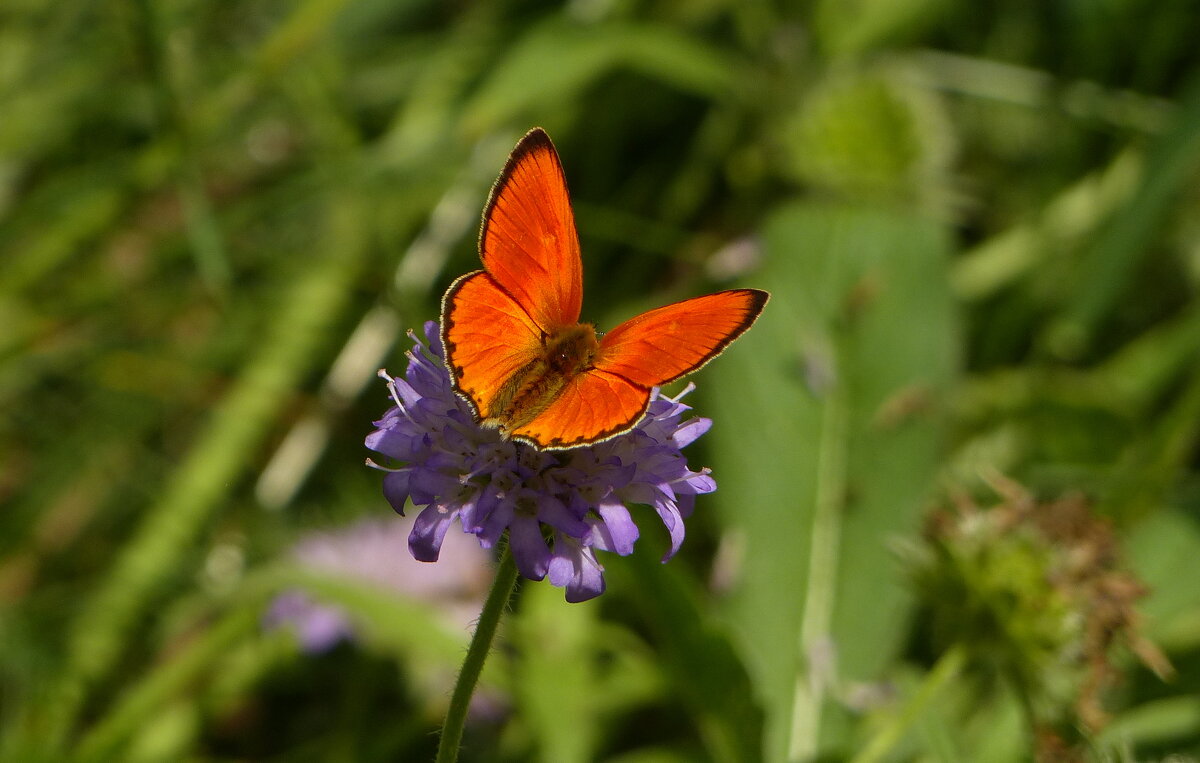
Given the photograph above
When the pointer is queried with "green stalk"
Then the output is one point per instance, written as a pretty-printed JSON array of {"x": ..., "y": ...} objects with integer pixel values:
[
  {"x": 821, "y": 590},
  {"x": 481, "y": 643},
  {"x": 947, "y": 669}
]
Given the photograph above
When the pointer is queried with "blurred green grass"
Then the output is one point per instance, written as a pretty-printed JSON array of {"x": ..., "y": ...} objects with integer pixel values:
[{"x": 979, "y": 223}]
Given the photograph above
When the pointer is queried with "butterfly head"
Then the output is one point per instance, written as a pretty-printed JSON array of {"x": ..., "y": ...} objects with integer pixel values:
[{"x": 571, "y": 349}]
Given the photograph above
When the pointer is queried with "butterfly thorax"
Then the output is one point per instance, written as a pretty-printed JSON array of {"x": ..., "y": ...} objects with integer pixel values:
[{"x": 565, "y": 352}]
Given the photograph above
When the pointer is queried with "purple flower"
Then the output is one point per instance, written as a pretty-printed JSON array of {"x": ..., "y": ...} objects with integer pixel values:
[
  {"x": 367, "y": 551},
  {"x": 318, "y": 627},
  {"x": 557, "y": 506}
]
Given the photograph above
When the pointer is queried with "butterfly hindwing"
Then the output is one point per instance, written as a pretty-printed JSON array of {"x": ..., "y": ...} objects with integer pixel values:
[
  {"x": 528, "y": 241},
  {"x": 594, "y": 405},
  {"x": 661, "y": 345}
]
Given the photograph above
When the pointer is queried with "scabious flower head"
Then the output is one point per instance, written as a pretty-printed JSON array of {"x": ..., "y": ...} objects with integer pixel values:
[
  {"x": 558, "y": 507},
  {"x": 1035, "y": 595}
]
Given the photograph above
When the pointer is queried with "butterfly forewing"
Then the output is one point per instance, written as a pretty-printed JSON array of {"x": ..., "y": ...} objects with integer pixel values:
[
  {"x": 662, "y": 345},
  {"x": 488, "y": 338},
  {"x": 528, "y": 241}
]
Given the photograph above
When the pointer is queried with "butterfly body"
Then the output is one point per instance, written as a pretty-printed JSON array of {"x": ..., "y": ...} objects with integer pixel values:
[
  {"x": 566, "y": 352},
  {"x": 515, "y": 346}
]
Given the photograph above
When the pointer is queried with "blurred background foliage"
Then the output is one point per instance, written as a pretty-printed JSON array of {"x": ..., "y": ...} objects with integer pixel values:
[{"x": 981, "y": 226}]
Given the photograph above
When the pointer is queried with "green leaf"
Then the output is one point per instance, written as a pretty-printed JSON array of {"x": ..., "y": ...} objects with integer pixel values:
[
  {"x": 1103, "y": 273},
  {"x": 1160, "y": 722},
  {"x": 1163, "y": 551},
  {"x": 829, "y": 418},
  {"x": 563, "y": 59},
  {"x": 220, "y": 455},
  {"x": 554, "y": 667},
  {"x": 850, "y": 28},
  {"x": 408, "y": 629},
  {"x": 696, "y": 656}
]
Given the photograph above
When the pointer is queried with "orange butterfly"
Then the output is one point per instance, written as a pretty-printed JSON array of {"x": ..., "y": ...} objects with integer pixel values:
[{"x": 514, "y": 344}]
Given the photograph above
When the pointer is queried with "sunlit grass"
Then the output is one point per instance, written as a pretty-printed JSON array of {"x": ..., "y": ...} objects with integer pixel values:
[{"x": 216, "y": 220}]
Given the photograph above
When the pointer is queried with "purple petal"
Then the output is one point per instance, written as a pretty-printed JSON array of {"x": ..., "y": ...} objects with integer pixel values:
[
  {"x": 674, "y": 522},
  {"x": 393, "y": 438},
  {"x": 394, "y": 442},
  {"x": 405, "y": 393},
  {"x": 427, "y": 485},
  {"x": 562, "y": 569},
  {"x": 689, "y": 432},
  {"x": 619, "y": 531},
  {"x": 697, "y": 483},
  {"x": 444, "y": 463},
  {"x": 576, "y": 568},
  {"x": 433, "y": 337},
  {"x": 425, "y": 541},
  {"x": 395, "y": 489},
  {"x": 589, "y": 580},
  {"x": 639, "y": 492},
  {"x": 686, "y": 504},
  {"x": 425, "y": 378},
  {"x": 554, "y": 513},
  {"x": 474, "y": 515},
  {"x": 529, "y": 548},
  {"x": 501, "y": 516}
]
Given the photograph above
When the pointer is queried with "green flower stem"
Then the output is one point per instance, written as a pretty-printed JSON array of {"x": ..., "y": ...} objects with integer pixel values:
[{"x": 481, "y": 643}]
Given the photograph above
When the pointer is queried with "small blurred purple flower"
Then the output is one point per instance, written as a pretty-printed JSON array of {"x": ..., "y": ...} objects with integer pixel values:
[
  {"x": 319, "y": 627},
  {"x": 557, "y": 506},
  {"x": 367, "y": 551}
]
